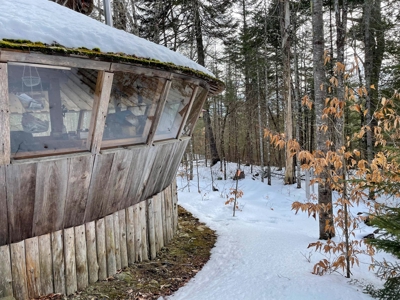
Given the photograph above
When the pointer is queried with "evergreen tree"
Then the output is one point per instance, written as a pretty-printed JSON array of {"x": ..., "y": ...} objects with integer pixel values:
[{"x": 389, "y": 241}]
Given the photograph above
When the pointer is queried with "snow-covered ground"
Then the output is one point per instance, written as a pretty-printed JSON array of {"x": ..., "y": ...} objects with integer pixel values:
[{"x": 261, "y": 253}]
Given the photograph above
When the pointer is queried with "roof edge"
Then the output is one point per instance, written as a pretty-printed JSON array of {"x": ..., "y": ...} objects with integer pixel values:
[{"x": 217, "y": 86}]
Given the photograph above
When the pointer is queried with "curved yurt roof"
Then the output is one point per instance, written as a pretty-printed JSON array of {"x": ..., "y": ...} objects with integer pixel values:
[{"x": 44, "y": 26}]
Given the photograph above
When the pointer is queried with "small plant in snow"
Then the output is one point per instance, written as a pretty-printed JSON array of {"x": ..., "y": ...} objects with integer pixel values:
[{"x": 234, "y": 194}]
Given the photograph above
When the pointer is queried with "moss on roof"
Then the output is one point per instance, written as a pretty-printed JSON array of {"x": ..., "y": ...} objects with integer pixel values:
[{"x": 95, "y": 53}]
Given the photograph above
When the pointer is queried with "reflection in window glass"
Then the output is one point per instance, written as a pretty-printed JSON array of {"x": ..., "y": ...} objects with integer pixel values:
[
  {"x": 175, "y": 109},
  {"x": 195, "y": 111},
  {"x": 50, "y": 108},
  {"x": 131, "y": 109}
]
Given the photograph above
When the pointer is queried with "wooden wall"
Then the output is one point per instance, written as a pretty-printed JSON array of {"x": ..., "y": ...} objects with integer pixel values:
[
  {"x": 42, "y": 196},
  {"x": 67, "y": 260}
]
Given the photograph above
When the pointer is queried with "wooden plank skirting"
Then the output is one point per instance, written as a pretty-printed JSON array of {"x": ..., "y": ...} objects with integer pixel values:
[{"x": 68, "y": 260}]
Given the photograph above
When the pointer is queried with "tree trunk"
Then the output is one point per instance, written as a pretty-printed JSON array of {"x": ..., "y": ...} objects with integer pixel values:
[
  {"x": 324, "y": 191},
  {"x": 287, "y": 90},
  {"x": 206, "y": 113}
]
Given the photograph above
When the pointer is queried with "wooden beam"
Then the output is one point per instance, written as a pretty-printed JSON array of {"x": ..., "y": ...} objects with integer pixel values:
[
  {"x": 100, "y": 109},
  {"x": 159, "y": 110},
  {"x": 66, "y": 61},
  {"x": 198, "y": 113},
  {"x": 129, "y": 68},
  {"x": 185, "y": 117},
  {"x": 4, "y": 117}
]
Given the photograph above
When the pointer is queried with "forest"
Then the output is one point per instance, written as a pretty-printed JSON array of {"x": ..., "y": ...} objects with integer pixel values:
[{"x": 310, "y": 85}]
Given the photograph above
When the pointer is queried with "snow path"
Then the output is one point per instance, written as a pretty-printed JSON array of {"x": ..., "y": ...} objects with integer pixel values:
[{"x": 260, "y": 253}]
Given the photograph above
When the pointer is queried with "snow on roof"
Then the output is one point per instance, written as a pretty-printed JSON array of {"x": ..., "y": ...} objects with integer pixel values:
[{"x": 47, "y": 22}]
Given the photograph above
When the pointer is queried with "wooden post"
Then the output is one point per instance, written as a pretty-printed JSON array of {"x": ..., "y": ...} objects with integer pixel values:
[
  {"x": 18, "y": 267},
  {"x": 150, "y": 226},
  {"x": 70, "y": 263},
  {"x": 110, "y": 245},
  {"x": 57, "y": 247},
  {"x": 82, "y": 275},
  {"x": 138, "y": 233},
  {"x": 32, "y": 267},
  {"x": 100, "y": 109},
  {"x": 143, "y": 231},
  {"x": 46, "y": 265},
  {"x": 175, "y": 205},
  {"x": 122, "y": 238},
  {"x": 117, "y": 240},
  {"x": 93, "y": 267},
  {"x": 101, "y": 249},
  {"x": 5, "y": 146},
  {"x": 130, "y": 234},
  {"x": 6, "y": 288}
]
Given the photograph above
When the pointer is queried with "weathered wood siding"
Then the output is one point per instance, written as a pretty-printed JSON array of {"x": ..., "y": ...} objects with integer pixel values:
[
  {"x": 46, "y": 195},
  {"x": 69, "y": 259}
]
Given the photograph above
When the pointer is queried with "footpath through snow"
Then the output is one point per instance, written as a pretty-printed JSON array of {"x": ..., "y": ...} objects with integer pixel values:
[{"x": 262, "y": 252}]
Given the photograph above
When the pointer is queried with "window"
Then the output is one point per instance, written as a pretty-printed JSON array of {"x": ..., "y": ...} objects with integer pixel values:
[
  {"x": 195, "y": 111},
  {"x": 175, "y": 108},
  {"x": 50, "y": 108},
  {"x": 131, "y": 109}
]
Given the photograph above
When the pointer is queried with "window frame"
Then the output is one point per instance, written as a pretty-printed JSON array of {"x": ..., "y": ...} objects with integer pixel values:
[{"x": 100, "y": 105}]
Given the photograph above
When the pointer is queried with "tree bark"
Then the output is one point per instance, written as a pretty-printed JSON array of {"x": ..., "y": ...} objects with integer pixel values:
[
  {"x": 324, "y": 191},
  {"x": 287, "y": 90}
]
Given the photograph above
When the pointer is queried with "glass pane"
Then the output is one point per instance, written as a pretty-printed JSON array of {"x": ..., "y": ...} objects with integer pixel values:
[
  {"x": 131, "y": 109},
  {"x": 195, "y": 111},
  {"x": 175, "y": 108},
  {"x": 50, "y": 108}
]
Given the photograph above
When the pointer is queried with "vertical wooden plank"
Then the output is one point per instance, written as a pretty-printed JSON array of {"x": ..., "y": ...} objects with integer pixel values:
[
  {"x": 57, "y": 247},
  {"x": 93, "y": 266},
  {"x": 131, "y": 185},
  {"x": 21, "y": 183},
  {"x": 97, "y": 197},
  {"x": 6, "y": 288},
  {"x": 71, "y": 284},
  {"x": 138, "y": 233},
  {"x": 110, "y": 245},
  {"x": 118, "y": 177},
  {"x": 143, "y": 230},
  {"x": 150, "y": 226},
  {"x": 4, "y": 117},
  {"x": 101, "y": 249},
  {"x": 50, "y": 194},
  {"x": 18, "y": 268},
  {"x": 3, "y": 210},
  {"x": 166, "y": 179},
  {"x": 46, "y": 264},
  {"x": 79, "y": 175},
  {"x": 117, "y": 240},
  {"x": 82, "y": 275},
  {"x": 130, "y": 234},
  {"x": 157, "y": 168},
  {"x": 143, "y": 161},
  {"x": 100, "y": 109},
  {"x": 122, "y": 238},
  {"x": 32, "y": 267}
]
